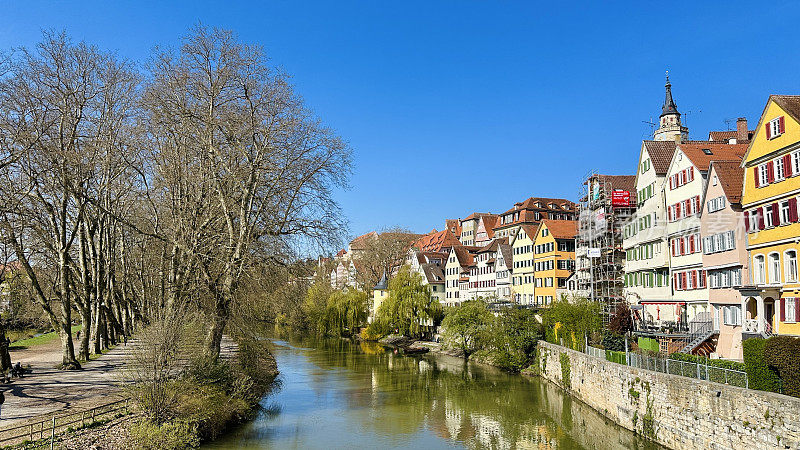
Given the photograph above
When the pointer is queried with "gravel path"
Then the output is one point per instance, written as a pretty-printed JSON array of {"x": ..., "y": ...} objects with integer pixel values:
[{"x": 48, "y": 390}]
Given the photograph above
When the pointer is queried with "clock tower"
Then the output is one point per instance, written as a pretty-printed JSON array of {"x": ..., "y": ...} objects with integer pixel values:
[{"x": 669, "y": 126}]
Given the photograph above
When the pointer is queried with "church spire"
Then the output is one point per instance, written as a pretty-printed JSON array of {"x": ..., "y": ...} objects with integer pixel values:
[
  {"x": 669, "y": 104},
  {"x": 670, "y": 127}
]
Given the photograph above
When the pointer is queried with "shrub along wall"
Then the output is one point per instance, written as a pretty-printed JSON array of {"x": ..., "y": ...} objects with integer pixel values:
[
  {"x": 759, "y": 374},
  {"x": 674, "y": 411},
  {"x": 782, "y": 353}
]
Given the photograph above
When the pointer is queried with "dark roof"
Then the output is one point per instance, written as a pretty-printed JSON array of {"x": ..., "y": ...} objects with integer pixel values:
[
  {"x": 531, "y": 201},
  {"x": 669, "y": 104},
  {"x": 492, "y": 246},
  {"x": 696, "y": 152},
  {"x": 789, "y": 103},
  {"x": 660, "y": 154},
  {"x": 383, "y": 284},
  {"x": 730, "y": 175},
  {"x": 508, "y": 254},
  {"x": 433, "y": 273}
]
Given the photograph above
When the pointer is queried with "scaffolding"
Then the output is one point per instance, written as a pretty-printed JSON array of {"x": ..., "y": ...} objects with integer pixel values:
[{"x": 600, "y": 226}]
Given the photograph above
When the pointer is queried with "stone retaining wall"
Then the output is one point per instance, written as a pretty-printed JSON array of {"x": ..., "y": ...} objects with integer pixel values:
[{"x": 675, "y": 411}]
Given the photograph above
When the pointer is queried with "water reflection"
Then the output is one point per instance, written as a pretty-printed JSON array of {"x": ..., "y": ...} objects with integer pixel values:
[{"x": 337, "y": 394}]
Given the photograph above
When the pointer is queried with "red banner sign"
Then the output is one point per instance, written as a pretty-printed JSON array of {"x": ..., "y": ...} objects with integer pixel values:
[{"x": 620, "y": 198}]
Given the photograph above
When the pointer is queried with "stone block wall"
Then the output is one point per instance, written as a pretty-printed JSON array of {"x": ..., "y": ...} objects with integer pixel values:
[{"x": 675, "y": 411}]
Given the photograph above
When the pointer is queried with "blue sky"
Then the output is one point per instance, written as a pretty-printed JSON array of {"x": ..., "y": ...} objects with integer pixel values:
[{"x": 460, "y": 106}]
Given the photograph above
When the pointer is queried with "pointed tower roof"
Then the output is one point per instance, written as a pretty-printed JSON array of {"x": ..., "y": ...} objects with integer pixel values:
[
  {"x": 669, "y": 104},
  {"x": 383, "y": 284}
]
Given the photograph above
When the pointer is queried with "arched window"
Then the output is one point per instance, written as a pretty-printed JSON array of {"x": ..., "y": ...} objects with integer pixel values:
[
  {"x": 774, "y": 268},
  {"x": 759, "y": 270},
  {"x": 790, "y": 264}
]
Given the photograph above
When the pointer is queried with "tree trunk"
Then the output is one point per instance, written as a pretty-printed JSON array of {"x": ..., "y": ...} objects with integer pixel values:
[{"x": 83, "y": 344}]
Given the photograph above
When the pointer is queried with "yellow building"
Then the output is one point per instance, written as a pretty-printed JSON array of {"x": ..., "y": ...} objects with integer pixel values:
[
  {"x": 553, "y": 258},
  {"x": 522, "y": 283},
  {"x": 769, "y": 201},
  {"x": 379, "y": 293}
]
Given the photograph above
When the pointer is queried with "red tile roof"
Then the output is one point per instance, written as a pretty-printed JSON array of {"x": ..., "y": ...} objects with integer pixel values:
[
  {"x": 475, "y": 216},
  {"x": 436, "y": 241},
  {"x": 660, "y": 154},
  {"x": 719, "y": 152},
  {"x": 561, "y": 229},
  {"x": 530, "y": 204},
  {"x": 789, "y": 103},
  {"x": 730, "y": 175}
]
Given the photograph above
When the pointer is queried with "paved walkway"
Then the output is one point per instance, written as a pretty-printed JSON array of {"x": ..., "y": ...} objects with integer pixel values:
[{"x": 48, "y": 390}]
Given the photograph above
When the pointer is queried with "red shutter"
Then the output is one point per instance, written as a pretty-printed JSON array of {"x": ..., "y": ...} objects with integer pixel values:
[
  {"x": 755, "y": 177},
  {"x": 781, "y": 125},
  {"x": 766, "y": 126},
  {"x": 694, "y": 279},
  {"x": 776, "y": 215},
  {"x": 747, "y": 221},
  {"x": 793, "y": 211},
  {"x": 672, "y": 247},
  {"x": 760, "y": 212},
  {"x": 683, "y": 278},
  {"x": 691, "y": 173},
  {"x": 688, "y": 207},
  {"x": 783, "y": 310},
  {"x": 691, "y": 244},
  {"x": 682, "y": 242},
  {"x": 770, "y": 172},
  {"x": 787, "y": 165},
  {"x": 676, "y": 281},
  {"x": 796, "y": 311},
  {"x": 669, "y": 213},
  {"x": 702, "y": 278}
]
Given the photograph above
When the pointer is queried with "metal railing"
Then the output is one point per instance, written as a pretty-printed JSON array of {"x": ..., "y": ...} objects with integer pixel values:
[
  {"x": 675, "y": 367},
  {"x": 45, "y": 430}
]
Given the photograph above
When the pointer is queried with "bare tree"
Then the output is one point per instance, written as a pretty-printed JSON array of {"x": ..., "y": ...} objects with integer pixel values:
[
  {"x": 380, "y": 254},
  {"x": 258, "y": 169}
]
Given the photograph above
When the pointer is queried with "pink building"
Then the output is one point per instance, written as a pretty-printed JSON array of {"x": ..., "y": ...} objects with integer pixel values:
[{"x": 725, "y": 257}]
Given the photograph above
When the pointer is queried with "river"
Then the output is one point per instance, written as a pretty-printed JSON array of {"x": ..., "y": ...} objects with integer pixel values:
[{"x": 338, "y": 394}]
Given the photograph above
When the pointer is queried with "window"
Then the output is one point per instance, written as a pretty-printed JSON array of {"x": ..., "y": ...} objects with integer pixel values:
[
  {"x": 763, "y": 179},
  {"x": 768, "y": 217},
  {"x": 545, "y": 232},
  {"x": 731, "y": 315},
  {"x": 759, "y": 270},
  {"x": 778, "y": 169},
  {"x": 790, "y": 261},
  {"x": 774, "y": 268},
  {"x": 784, "y": 212},
  {"x": 707, "y": 151},
  {"x": 790, "y": 309},
  {"x": 775, "y": 127},
  {"x": 795, "y": 163}
]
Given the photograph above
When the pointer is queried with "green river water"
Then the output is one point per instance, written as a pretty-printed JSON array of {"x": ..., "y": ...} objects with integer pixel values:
[{"x": 335, "y": 394}]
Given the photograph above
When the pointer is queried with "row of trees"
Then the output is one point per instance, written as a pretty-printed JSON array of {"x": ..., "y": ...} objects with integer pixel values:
[{"x": 131, "y": 193}]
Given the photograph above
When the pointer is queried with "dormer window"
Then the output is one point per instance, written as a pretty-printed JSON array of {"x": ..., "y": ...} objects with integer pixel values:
[
  {"x": 775, "y": 127},
  {"x": 707, "y": 151}
]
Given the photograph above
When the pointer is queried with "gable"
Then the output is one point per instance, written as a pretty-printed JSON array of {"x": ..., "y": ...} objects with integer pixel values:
[{"x": 760, "y": 145}]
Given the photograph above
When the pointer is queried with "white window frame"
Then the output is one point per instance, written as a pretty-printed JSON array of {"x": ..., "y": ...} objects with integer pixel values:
[
  {"x": 789, "y": 310},
  {"x": 774, "y": 268},
  {"x": 775, "y": 128},
  {"x": 768, "y": 217},
  {"x": 759, "y": 269},
  {"x": 790, "y": 266},
  {"x": 763, "y": 180},
  {"x": 779, "y": 169},
  {"x": 795, "y": 163}
]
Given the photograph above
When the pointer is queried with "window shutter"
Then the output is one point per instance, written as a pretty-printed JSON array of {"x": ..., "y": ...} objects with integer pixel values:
[
  {"x": 776, "y": 215},
  {"x": 760, "y": 218},
  {"x": 702, "y": 278},
  {"x": 783, "y": 310},
  {"x": 747, "y": 221},
  {"x": 793, "y": 210},
  {"x": 787, "y": 165},
  {"x": 683, "y": 278},
  {"x": 694, "y": 279},
  {"x": 770, "y": 172},
  {"x": 676, "y": 281},
  {"x": 796, "y": 311},
  {"x": 756, "y": 180},
  {"x": 691, "y": 244},
  {"x": 781, "y": 125},
  {"x": 767, "y": 127}
]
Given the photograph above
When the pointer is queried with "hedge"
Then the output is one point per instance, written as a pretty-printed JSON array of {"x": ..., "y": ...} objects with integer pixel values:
[
  {"x": 648, "y": 344},
  {"x": 617, "y": 357},
  {"x": 782, "y": 353},
  {"x": 759, "y": 374},
  {"x": 723, "y": 363}
]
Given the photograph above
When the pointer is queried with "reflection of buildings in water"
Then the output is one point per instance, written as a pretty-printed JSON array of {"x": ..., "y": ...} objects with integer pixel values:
[
  {"x": 452, "y": 419},
  {"x": 489, "y": 432},
  {"x": 424, "y": 366}
]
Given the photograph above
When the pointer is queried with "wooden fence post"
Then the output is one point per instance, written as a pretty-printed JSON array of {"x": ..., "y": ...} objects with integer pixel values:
[{"x": 53, "y": 433}]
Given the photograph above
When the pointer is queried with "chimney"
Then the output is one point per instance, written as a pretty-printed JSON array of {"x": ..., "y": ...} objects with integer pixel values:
[{"x": 741, "y": 130}]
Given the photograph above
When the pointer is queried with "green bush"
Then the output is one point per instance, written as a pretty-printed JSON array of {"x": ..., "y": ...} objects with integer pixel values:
[
  {"x": 782, "y": 353},
  {"x": 760, "y": 376},
  {"x": 571, "y": 321},
  {"x": 613, "y": 341},
  {"x": 722, "y": 363},
  {"x": 176, "y": 435},
  {"x": 514, "y": 336},
  {"x": 617, "y": 357}
]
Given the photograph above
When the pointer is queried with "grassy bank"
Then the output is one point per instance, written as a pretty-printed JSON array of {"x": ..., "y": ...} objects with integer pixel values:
[{"x": 22, "y": 339}]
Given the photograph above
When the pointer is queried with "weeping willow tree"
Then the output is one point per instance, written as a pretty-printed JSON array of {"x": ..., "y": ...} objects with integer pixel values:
[
  {"x": 344, "y": 312},
  {"x": 409, "y": 307}
]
